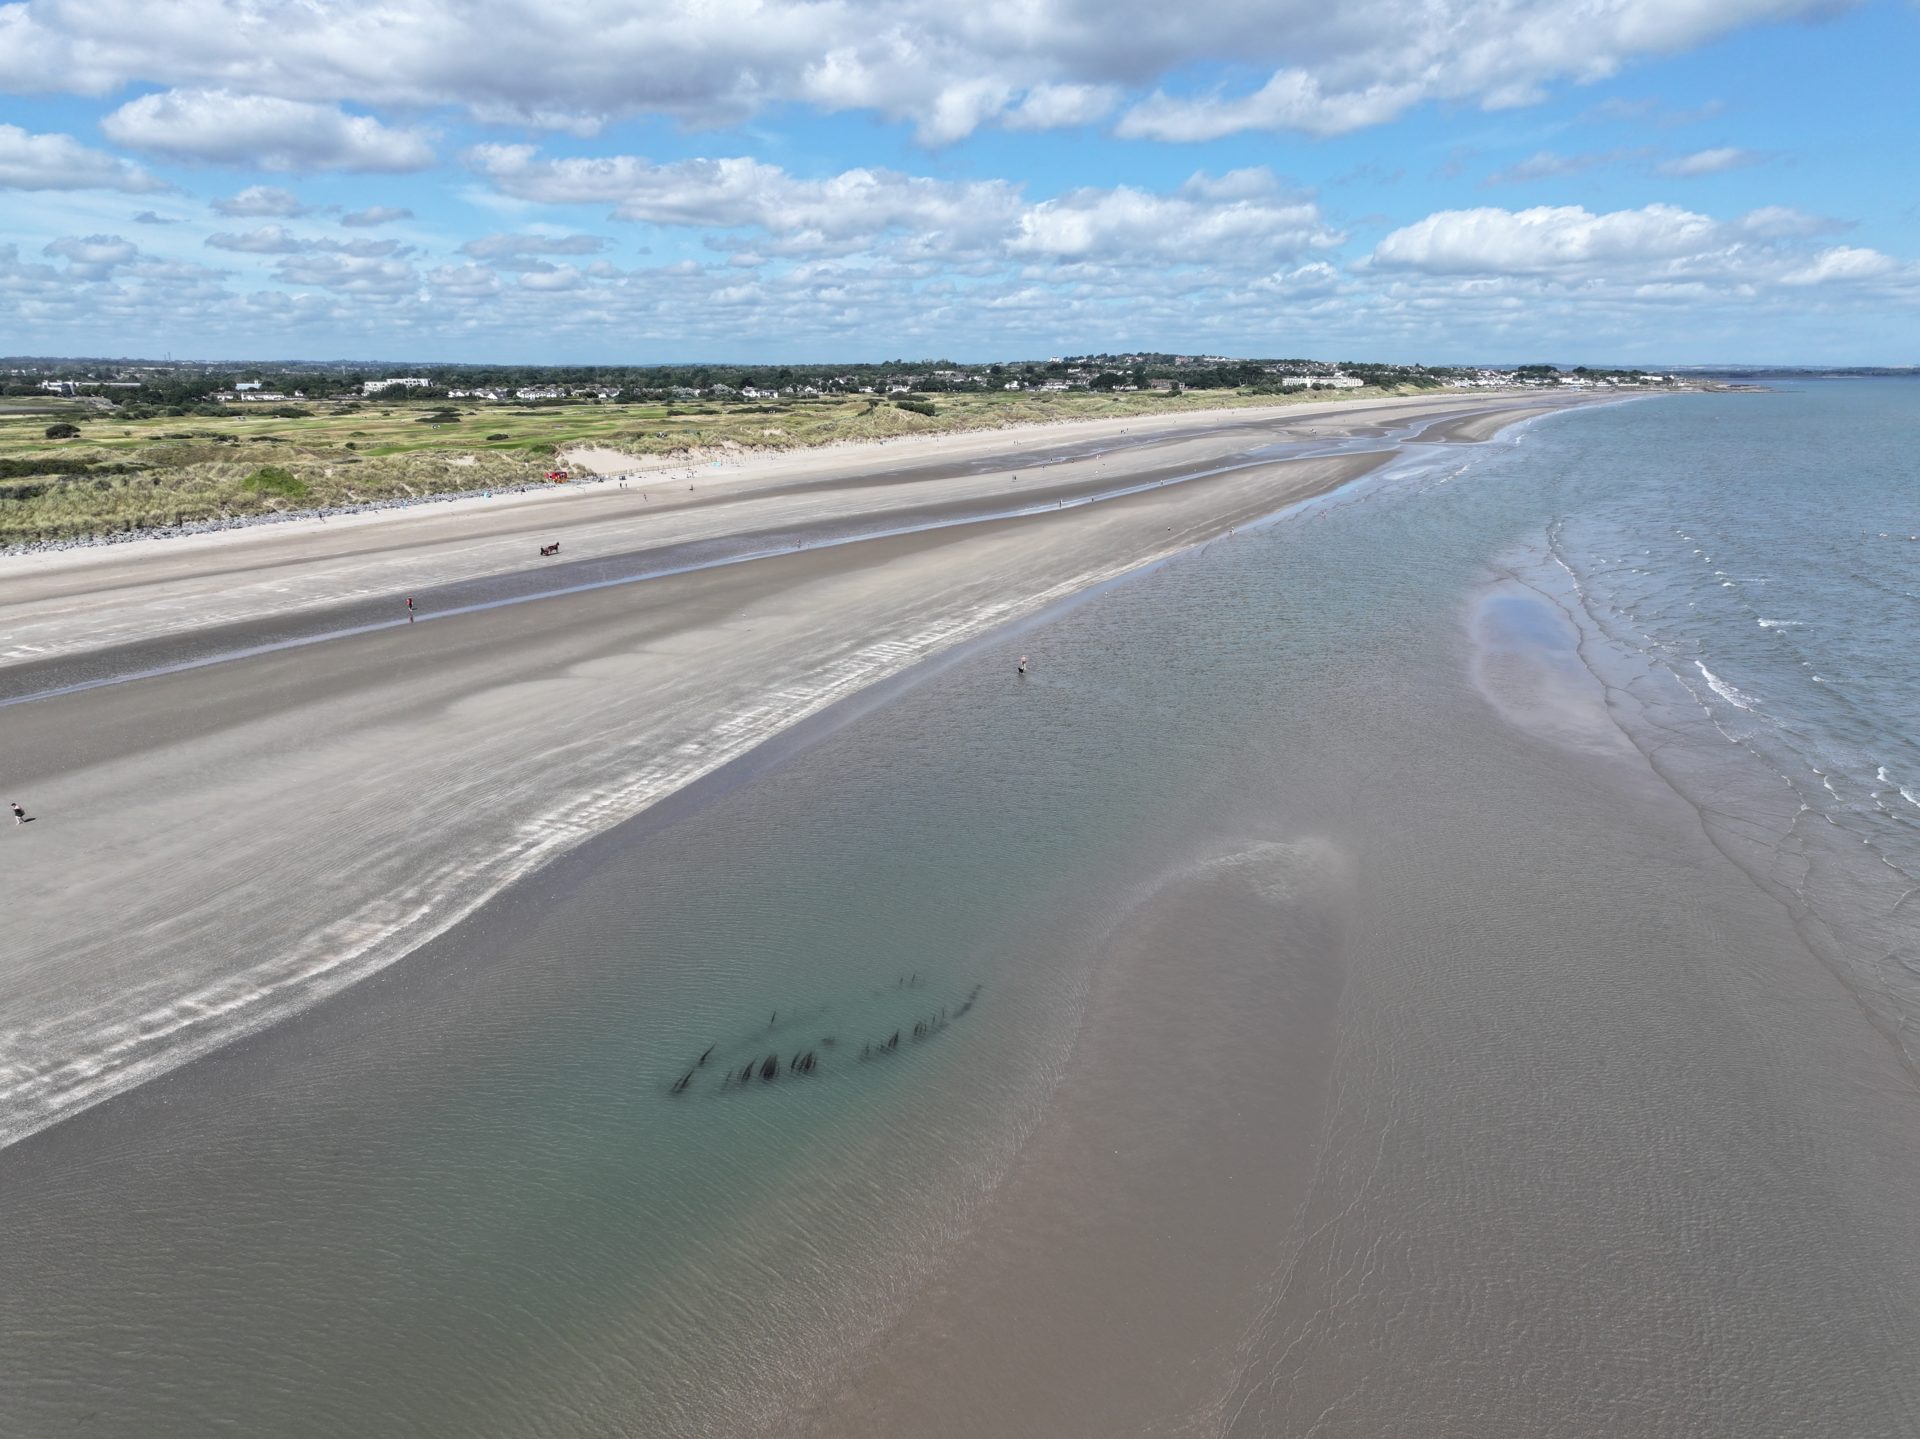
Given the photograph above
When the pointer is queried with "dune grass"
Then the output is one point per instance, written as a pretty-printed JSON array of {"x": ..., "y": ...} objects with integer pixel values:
[{"x": 120, "y": 475}]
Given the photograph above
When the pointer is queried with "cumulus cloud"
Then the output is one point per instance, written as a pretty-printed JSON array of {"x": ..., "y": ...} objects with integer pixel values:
[
  {"x": 266, "y": 240},
  {"x": 278, "y": 240},
  {"x": 1242, "y": 214},
  {"x": 947, "y": 69},
  {"x": 260, "y": 201},
  {"x": 60, "y": 162},
  {"x": 1843, "y": 264},
  {"x": 739, "y": 192},
  {"x": 1547, "y": 237},
  {"x": 1245, "y": 216},
  {"x": 263, "y": 132},
  {"x": 503, "y": 250},
  {"x": 1709, "y": 162},
  {"x": 375, "y": 215},
  {"x": 92, "y": 257},
  {"x": 1656, "y": 254},
  {"x": 350, "y": 274},
  {"x": 1370, "y": 62},
  {"x": 1053, "y": 107}
]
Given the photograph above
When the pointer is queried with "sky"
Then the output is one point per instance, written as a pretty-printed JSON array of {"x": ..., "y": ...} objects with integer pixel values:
[{"x": 604, "y": 181}]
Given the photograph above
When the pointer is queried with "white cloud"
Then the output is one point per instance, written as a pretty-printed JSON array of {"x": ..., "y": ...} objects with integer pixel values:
[
  {"x": 1709, "y": 162},
  {"x": 1555, "y": 262},
  {"x": 506, "y": 251},
  {"x": 738, "y": 192},
  {"x": 263, "y": 132},
  {"x": 1546, "y": 238},
  {"x": 552, "y": 277},
  {"x": 1845, "y": 264},
  {"x": 1053, "y": 107},
  {"x": 1369, "y": 62},
  {"x": 60, "y": 162},
  {"x": 147, "y": 217},
  {"x": 944, "y": 68},
  {"x": 375, "y": 215},
  {"x": 1242, "y": 218},
  {"x": 261, "y": 201},
  {"x": 92, "y": 257},
  {"x": 266, "y": 240},
  {"x": 350, "y": 274}
]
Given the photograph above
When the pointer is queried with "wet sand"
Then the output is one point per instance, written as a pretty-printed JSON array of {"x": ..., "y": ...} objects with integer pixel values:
[{"x": 220, "y": 846}]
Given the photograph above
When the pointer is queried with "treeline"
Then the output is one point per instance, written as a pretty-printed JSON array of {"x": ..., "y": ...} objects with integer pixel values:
[{"x": 190, "y": 389}]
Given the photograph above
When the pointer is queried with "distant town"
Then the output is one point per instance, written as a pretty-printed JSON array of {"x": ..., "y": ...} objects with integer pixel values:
[{"x": 163, "y": 387}]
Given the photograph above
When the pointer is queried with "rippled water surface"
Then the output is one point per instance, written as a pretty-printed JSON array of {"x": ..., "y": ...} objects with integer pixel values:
[{"x": 1438, "y": 963}]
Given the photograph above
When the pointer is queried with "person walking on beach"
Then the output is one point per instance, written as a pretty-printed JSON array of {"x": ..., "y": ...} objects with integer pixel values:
[
  {"x": 19, "y": 814},
  {"x": 1023, "y": 664},
  {"x": 409, "y": 609}
]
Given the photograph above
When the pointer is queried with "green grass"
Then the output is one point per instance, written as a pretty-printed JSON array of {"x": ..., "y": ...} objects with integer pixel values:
[
  {"x": 123, "y": 475},
  {"x": 275, "y": 480}
]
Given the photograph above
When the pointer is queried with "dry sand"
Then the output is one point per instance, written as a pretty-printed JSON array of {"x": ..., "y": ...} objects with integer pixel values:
[{"x": 219, "y": 847}]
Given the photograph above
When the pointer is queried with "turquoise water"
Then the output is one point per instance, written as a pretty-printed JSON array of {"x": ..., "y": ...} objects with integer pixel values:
[{"x": 1578, "y": 1021}]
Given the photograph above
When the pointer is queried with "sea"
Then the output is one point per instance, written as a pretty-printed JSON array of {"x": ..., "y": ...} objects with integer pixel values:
[{"x": 1441, "y": 961}]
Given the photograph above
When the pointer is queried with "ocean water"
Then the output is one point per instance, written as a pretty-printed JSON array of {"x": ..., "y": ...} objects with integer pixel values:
[
  {"x": 1773, "y": 599},
  {"x": 1438, "y": 962}
]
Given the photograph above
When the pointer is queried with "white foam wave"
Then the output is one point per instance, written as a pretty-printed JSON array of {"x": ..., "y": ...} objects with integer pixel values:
[
  {"x": 1726, "y": 691},
  {"x": 1780, "y": 624}
]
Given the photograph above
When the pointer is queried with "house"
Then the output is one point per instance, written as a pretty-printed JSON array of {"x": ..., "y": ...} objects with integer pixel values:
[{"x": 374, "y": 387}]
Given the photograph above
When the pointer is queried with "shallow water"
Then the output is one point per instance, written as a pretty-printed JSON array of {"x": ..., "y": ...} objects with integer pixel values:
[{"x": 1378, "y": 1028}]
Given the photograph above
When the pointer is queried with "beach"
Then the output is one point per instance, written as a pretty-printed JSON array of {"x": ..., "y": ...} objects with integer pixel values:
[
  {"x": 222, "y": 844},
  {"x": 1350, "y": 984}
]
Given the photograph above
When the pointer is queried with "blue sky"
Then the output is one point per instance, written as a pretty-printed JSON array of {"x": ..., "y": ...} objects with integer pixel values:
[{"x": 1635, "y": 181}]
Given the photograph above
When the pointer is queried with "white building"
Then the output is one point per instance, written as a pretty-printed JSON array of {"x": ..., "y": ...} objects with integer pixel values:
[
  {"x": 411, "y": 382},
  {"x": 1322, "y": 382}
]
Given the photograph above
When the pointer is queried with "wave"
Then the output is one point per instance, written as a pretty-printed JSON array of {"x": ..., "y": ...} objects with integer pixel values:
[
  {"x": 1781, "y": 624},
  {"x": 1906, "y": 794},
  {"x": 1726, "y": 691}
]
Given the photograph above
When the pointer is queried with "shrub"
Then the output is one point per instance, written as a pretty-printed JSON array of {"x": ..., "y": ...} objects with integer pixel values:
[
  {"x": 918, "y": 407},
  {"x": 63, "y": 431},
  {"x": 290, "y": 412},
  {"x": 499, "y": 437},
  {"x": 275, "y": 480}
]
